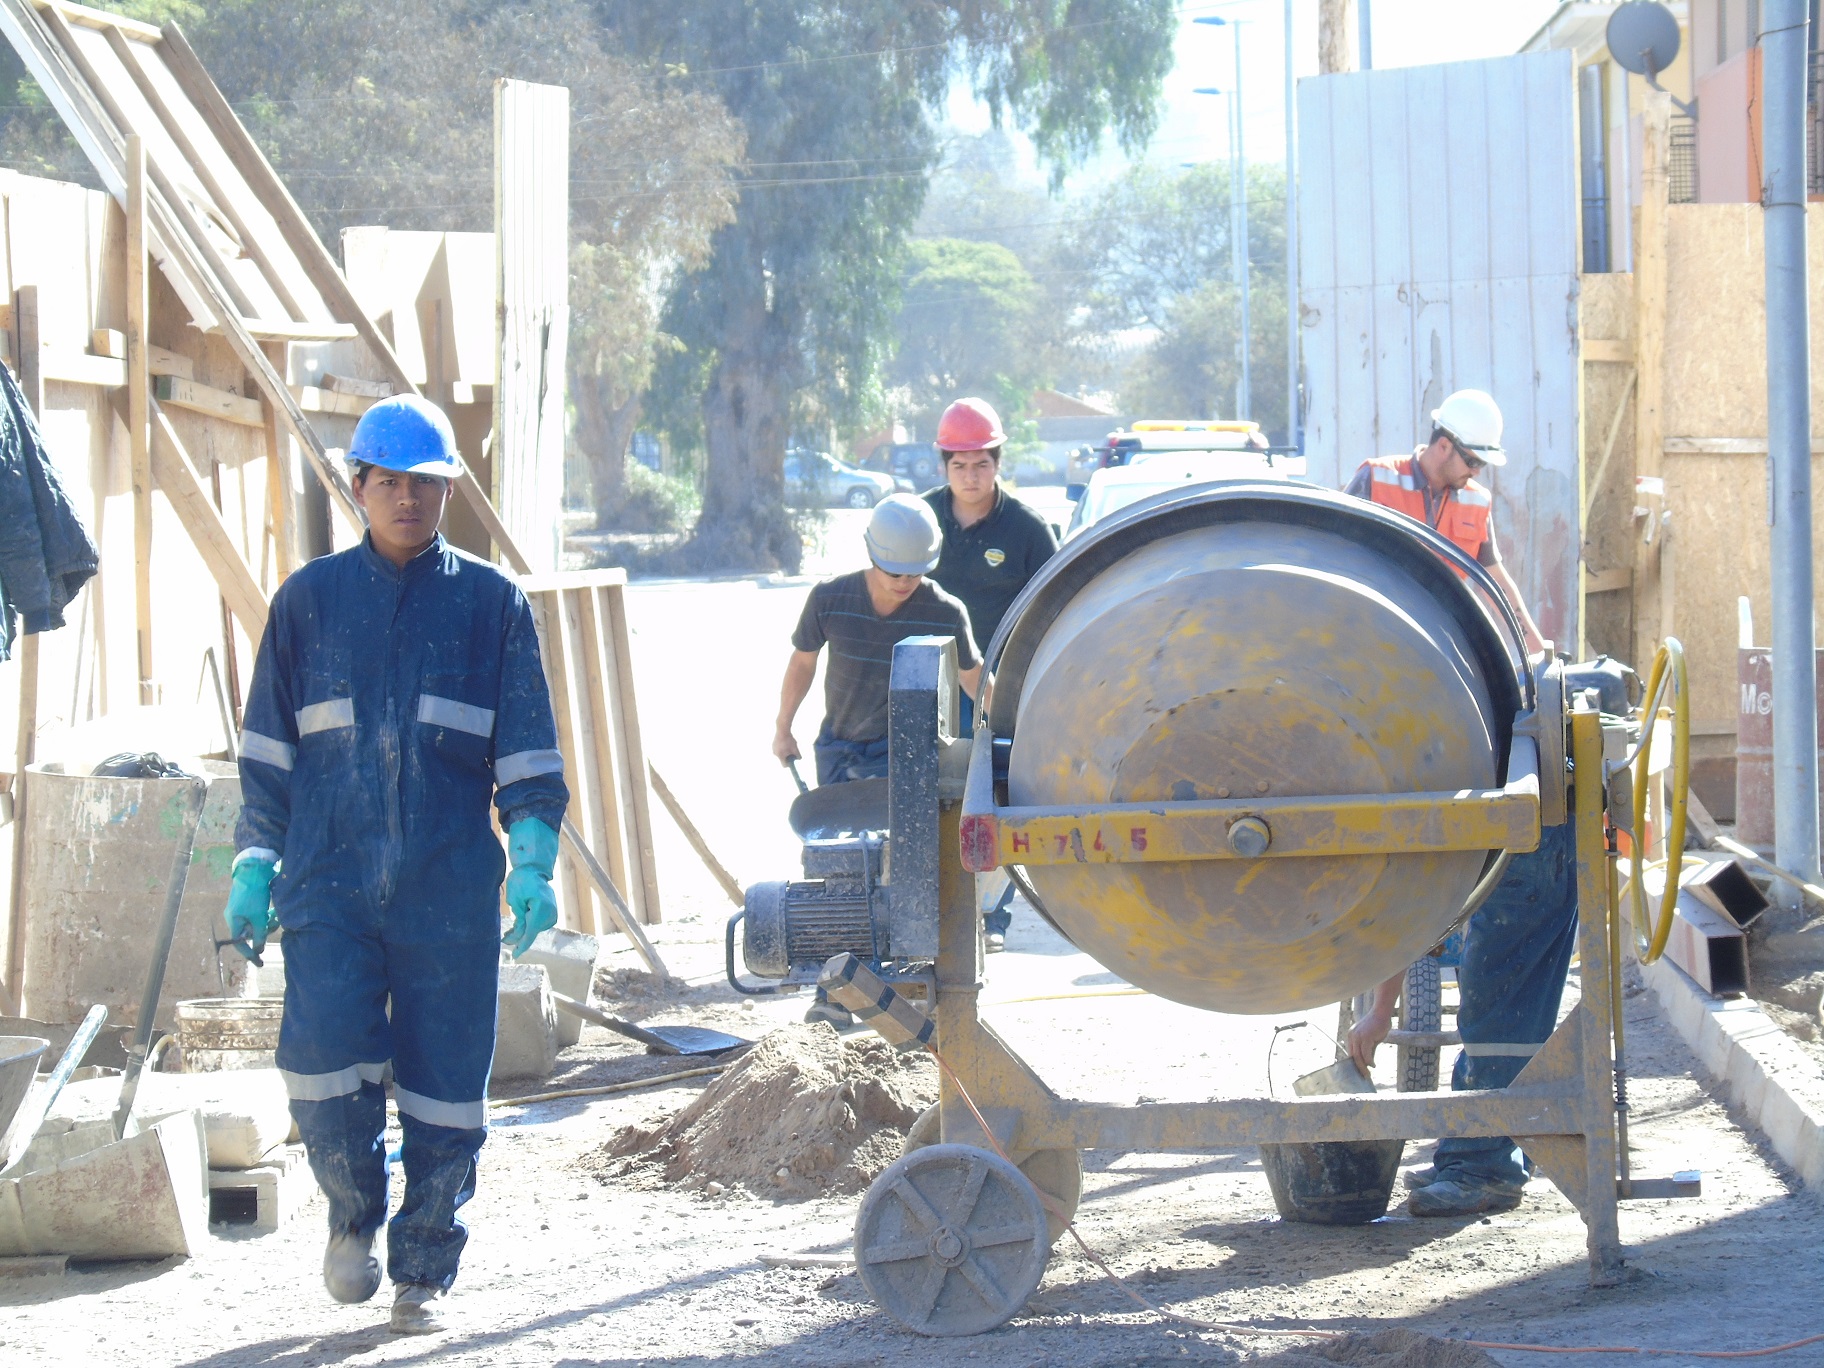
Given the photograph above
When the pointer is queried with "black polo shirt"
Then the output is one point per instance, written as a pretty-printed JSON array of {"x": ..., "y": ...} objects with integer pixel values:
[{"x": 988, "y": 564}]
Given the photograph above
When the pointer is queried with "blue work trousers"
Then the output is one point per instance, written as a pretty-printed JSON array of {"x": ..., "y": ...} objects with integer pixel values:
[
  {"x": 353, "y": 1002},
  {"x": 1516, "y": 952},
  {"x": 839, "y": 761}
]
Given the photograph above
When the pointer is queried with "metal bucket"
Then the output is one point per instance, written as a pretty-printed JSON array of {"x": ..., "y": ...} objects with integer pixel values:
[
  {"x": 19, "y": 1057},
  {"x": 228, "y": 1033},
  {"x": 1333, "y": 1182}
]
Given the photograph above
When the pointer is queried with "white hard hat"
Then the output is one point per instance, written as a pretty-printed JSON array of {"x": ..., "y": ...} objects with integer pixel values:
[
  {"x": 1473, "y": 420},
  {"x": 903, "y": 536}
]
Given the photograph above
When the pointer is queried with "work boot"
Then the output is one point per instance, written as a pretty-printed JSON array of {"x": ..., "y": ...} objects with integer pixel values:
[
  {"x": 350, "y": 1270},
  {"x": 1418, "y": 1178},
  {"x": 1463, "y": 1197},
  {"x": 993, "y": 942},
  {"x": 415, "y": 1309}
]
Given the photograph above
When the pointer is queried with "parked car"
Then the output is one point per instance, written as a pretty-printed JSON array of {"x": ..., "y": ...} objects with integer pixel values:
[
  {"x": 816, "y": 479},
  {"x": 1161, "y": 434},
  {"x": 1114, "y": 488},
  {"x": 914, "y": 461}
]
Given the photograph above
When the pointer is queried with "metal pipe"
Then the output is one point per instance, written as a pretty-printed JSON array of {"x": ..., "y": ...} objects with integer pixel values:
[
  {"x": 1364, "y": 15},
  {"x": 1292, "y": 413},
  {"x": 1784, "y": 36},
  {"x": 1244, "y": 405}
]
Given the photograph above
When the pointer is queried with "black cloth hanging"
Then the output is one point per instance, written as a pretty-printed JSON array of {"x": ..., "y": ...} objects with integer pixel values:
[{"x": 46, "y": 554}]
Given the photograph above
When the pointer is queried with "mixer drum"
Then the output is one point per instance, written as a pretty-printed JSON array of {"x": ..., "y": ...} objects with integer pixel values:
[{"x": 1256, "y": 660}]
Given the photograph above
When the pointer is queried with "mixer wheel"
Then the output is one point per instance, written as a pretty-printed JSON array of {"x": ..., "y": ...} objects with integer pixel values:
[
  {"x": 950, "y": 1240},
  {"x": 1056, "y": 1173},
  {"x": 1421, "y": 1009}
]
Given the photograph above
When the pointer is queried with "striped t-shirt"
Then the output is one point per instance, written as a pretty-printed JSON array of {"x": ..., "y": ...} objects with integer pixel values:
[{"x": 840, "y": 612}]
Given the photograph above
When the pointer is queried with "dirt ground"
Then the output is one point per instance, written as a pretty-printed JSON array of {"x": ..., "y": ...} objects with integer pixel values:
[{"x": 566, "y": 1267}]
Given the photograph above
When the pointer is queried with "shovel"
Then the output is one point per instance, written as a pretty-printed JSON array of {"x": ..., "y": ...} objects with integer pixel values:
[{"x": 671, "y": 1040}]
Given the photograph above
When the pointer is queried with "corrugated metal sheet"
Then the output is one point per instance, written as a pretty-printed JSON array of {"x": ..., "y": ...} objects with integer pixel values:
[{"x": 1438, "y": 250}]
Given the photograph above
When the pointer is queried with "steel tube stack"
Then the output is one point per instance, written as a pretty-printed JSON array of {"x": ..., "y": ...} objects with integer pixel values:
[{"x": 1795, "y": 736}]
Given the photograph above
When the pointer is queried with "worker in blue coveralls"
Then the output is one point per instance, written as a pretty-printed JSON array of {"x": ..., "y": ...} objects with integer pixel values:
[
  {"x": 397, "y": 689},
  {"x": 1517, "y": 947}
]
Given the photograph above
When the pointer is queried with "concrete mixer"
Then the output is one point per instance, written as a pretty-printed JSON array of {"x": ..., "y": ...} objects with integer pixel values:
[{"x": 1254, "y": 748}]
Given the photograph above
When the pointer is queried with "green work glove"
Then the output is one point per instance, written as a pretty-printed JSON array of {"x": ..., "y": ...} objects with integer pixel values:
[
  {"x": 250, "y": 904},
  {"x": 532, "y": 851}
]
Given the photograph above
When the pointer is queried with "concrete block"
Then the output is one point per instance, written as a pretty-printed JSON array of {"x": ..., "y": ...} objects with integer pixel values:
[
  {"x": 569, "y": 956},
  {"x": 525, "y": 1040},
  {"x": 265, "y": 1196},
  {"x": 1780, "y": 1118},
  {"x": 141, "y": 1198}
]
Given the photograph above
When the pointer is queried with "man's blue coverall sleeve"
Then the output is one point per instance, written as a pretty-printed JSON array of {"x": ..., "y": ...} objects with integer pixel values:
[
  {"x": 528, "y": 767},
  {"x": 269, "y": 745}
]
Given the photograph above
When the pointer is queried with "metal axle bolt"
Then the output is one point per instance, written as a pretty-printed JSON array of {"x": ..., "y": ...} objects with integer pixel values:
[{"x": 1249, "y": 837}]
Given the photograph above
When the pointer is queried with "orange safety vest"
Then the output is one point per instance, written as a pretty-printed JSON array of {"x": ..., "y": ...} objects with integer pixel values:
[{"x": 1398, "y": 483}]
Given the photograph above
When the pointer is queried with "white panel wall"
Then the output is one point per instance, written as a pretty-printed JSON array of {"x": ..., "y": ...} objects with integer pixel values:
[{"x": 1438, "y": 250}]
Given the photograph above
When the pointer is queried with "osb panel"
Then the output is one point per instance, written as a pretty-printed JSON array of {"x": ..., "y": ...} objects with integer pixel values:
[
  {"x": 1721, "y": 551},
  {"x": 1606, "y": 306},
  {"x": 1716, "y": 324}
]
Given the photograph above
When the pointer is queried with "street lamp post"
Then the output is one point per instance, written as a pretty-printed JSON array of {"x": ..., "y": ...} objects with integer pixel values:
[
  {"x": 1292, "y": 413},
  {"x": 1238, "y": 215}
]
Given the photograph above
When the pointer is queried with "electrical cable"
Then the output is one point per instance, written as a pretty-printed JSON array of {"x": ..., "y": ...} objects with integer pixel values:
[{"x": 1235, "y": 1328}]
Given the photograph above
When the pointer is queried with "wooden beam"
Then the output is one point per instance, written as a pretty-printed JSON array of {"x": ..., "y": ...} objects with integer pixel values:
[
  {"x": 199, "y": 166},
  {"x": 25, "y": 318},
  {"x": 108, "y": 342},
  {"x": 1607, "y": 349},
  {"x": 196, "y": 82},
  {"x": 1606, "y": 581},
  {"x": 79, "y": 368},
  {"x": 284, "y": 330},
  {"x": 1724, "y": 446},
  {"x": 209, "y": 401},
  {"x": 139, "y": 407},
  {"x": 30, "y": 367},
  {"x": 315, "y": 400},
  {"x": 467, "y": 392},
  {"x": 279, "y": 498},
  {"x": 365, "y": 389},
  {"x": 84, "y": 17},
  {"x": 161, "y": 361},
  {"x": 189, "y": 495},
  {"x": 1650, "y": 353}
]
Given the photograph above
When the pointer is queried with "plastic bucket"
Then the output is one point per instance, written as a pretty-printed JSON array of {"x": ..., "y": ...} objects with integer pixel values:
[{"x": 228, "y": 1033}]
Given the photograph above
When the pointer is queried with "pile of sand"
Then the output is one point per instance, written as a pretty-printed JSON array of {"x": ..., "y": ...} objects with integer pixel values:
[
  {"x": 801, "y": 1114},
  {"x": 1381, "y": 1349}
]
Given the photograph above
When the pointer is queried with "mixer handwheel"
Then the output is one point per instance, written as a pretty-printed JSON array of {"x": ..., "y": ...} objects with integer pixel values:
[
  {"x": 1056, "y": 1173},
  {"x": 951, "y": 1240}
]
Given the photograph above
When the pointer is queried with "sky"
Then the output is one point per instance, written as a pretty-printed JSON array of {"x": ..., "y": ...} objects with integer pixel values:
[{"x": 1194, "y": 127}]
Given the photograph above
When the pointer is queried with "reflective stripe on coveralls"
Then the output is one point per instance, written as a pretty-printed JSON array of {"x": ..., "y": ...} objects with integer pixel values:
[
  {"x": 388, "y": 706},
  {"x": 1463, "y": 514}
]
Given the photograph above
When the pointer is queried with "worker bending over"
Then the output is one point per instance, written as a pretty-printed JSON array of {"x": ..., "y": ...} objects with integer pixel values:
[
  {"x": 397, "y": 690},
  {"x": 861, "y": 616},
  {"x": 993, "y": 544},
  {"x": 1517, "y": 948}
]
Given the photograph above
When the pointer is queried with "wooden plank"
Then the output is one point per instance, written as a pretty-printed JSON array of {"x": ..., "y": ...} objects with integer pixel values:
[
  {"x": 532, "y": 279},
  {"x": 1606, "y": 581},
  {"x": 31, "y": 348},
  {"x": 209, "y": 401},
  {"x": 467, "y": 392},
  {"x": 108, "y": 342},
  {"x": 189, "y": 496},
  {"x": 139, "y": 409},
  {"x": 1608, "y": 349},
  {"x": 348, "y": 384},
  {"x": 315, "y": 400},
  {"x": 600, "y": 758},
  {"x": 187, "y": 69},
  {"x": 560, "y": 675},
  {"x": 161, "y": 361},
  {"x": 79, "y": 368},
  {"x": 199, "y": 166},
  {"x": 719, "y": 871},
  {"x": 85, "y": 17},
  {"x": 633, "y": 750},
  {"x": 1724, "y": 446},
  {"x": 279, "y": 498},
  {"x": 283, "y": 330},
  {"x": 25, "y": 318}
]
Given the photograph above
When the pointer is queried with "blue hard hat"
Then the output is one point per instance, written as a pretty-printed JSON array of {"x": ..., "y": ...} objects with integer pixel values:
[{"x": 408, "y": 434}]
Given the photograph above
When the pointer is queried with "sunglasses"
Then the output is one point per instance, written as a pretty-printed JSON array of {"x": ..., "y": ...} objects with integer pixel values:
[
  {"x": 1474, "y": 462},
  {"x": 890, "y": 575}
]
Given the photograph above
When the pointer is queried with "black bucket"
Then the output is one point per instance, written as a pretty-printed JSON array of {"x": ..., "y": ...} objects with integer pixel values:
[{"x": 1333, "y": 1182}]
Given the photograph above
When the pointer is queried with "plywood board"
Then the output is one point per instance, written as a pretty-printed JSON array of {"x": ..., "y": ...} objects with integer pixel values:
[
  {"x": 1438, "y": 254},
  {"x": 532, "y": 254}
]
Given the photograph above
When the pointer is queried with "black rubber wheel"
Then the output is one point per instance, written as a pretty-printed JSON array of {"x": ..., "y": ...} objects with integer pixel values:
[
  {"x": 924, "y": 468},
  {"x": 1421, "y": 1009},
  {"x": 860, "y": 497}
]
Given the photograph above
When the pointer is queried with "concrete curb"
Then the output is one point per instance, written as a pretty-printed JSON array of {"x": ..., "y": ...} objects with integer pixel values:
[{"x": 1762, "y": 1069}]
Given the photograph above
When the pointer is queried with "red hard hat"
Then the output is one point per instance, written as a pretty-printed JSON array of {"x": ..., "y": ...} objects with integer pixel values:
[{"x": 969, "y": 425}]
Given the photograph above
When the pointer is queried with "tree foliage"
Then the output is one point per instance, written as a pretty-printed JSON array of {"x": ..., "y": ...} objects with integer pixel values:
[
  {"x": 791, "y": 321},
  {"x": 966, "y": 310}
]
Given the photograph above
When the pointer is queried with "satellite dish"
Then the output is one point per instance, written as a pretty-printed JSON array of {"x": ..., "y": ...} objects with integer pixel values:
[{"x": 1643, "y": 38}]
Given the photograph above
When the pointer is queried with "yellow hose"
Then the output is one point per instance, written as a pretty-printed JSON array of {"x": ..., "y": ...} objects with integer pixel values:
[{"x": 1668, "y": 668}]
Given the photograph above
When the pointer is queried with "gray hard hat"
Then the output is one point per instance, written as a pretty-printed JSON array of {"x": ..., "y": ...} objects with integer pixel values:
[{"x": 903, "y": 536}]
